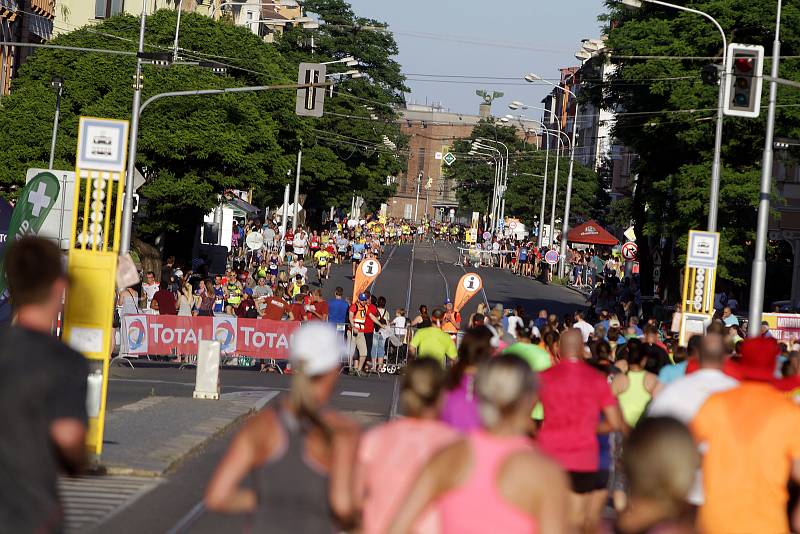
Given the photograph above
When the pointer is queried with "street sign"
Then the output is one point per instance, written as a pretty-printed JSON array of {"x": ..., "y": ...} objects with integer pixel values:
[
  {"x": 551, "y": 257},
  {"x": 512, "y": 225},
  {"x": 449, "y": 158},
  {"x": 473, "y": 235},
  {"x": 545, "y": 235},
  {"x": 703, "y": 249},
  {"x": 630, "y": 234},
  {"x": 101, "y": 144},
  {"x": 310, "y": 101},
  {"x": 437, "y": 156},
  {"x": 501, "y": 224},
  {"x": 487, "y": 236},
  {"x": 629, "y": 250},
  {"x": 254, "y": 240}
]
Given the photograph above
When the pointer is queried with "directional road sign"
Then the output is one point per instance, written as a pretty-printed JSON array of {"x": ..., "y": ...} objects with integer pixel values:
[{"x": 629, "y": 250}]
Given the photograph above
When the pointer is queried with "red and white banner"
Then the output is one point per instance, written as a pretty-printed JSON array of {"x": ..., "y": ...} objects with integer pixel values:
[{"x": 169, "y": 334}]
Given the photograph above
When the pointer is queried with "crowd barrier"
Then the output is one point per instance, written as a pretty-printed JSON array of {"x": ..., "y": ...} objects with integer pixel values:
[{"x": 164, "y": 335}]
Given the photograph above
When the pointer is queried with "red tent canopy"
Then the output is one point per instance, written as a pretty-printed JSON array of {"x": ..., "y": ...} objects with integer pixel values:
[{"x": 591, "y": 233}]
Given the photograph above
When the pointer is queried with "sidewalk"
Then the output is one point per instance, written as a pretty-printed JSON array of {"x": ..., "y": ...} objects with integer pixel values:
[{"x": 150, "y": 436}]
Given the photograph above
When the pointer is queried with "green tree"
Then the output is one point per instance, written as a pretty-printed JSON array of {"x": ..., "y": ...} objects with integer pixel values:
[
  {"x": 190, "y": 149},
  {"x": 474, "y": 178},
  {"x": 361, "y": 115},
  {"x": 668, "y": 120}
]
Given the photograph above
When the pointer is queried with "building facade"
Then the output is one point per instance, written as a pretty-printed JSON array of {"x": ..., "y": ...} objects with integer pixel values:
[
  {"x": 22, "y": 21},
  {"x": 432, "y": 131},
  {"x": 596, "y": 146}
]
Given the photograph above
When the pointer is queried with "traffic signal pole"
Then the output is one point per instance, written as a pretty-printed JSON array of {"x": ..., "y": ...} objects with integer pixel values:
[{"x": 759, "y": 272}]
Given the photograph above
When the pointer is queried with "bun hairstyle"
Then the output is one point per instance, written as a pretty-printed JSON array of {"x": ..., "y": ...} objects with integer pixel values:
[
  {"x": 422, "y": 386},
  {"x": 501, "y": 383}
]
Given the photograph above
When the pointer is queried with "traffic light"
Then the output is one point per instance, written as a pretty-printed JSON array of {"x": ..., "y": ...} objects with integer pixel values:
[
  {"x": 310, "y": 100},
  {"x": 710, "y": 74},
  {"x": 744, "y": 67}
]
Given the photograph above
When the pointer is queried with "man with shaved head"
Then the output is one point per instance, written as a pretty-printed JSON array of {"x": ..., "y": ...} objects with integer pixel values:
[
  {"x": 574, "y": 396},
  {"x": 683, "y": 398}
]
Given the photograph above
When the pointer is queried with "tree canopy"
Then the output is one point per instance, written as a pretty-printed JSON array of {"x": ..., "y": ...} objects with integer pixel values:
[
  {"x": 191, "y": 149},
  {"x": 668, "y": 118}
]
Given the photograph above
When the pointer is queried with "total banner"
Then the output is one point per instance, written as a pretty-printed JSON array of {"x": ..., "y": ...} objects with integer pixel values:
[{"x": 169, "y": 334}]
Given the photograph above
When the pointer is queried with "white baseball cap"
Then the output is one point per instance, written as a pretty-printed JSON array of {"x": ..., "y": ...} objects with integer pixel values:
[{"x": 318, "y": 347}]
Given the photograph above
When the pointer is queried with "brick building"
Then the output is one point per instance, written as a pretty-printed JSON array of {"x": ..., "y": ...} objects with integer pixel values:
[{"x": 22, "y": 21}]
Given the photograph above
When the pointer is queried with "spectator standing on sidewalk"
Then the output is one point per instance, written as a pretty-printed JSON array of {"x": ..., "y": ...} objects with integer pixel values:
[
  {"x": 42, "y": 393},
  {"x": 338, "y": 308},
  {"x": 149, "y": 288},
  {"x": 163, "y": 300}
]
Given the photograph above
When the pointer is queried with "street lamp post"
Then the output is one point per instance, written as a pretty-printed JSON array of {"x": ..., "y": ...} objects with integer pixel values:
[
  {"x": 127, "y": 205},
  {"x": 759, "y": 271},
  {"x": 57, "y": 83},
  {"x": 568, "y": 199},
  {"x": 504, "y": 179},
  {"x": 559, "y": 141},
  {"x": 716, "y": 166},
  {"x": 519, "y": 105},
  {"x": 476, "y": 145},
  {"x": 416, "y": 204}
]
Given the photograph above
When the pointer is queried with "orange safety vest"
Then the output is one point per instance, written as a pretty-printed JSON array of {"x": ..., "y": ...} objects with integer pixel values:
[{"x": 451, "y": 322}]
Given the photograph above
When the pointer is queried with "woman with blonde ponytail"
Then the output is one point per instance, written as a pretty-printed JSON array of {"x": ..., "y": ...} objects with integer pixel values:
[
  {"x": 299, "y": 454},
  {"x": 391, "y": 455},
  {"x": 494, "y": 480}
]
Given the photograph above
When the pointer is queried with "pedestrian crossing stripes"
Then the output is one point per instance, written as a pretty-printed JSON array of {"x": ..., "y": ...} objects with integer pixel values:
[{"x": 89, "y": 501}]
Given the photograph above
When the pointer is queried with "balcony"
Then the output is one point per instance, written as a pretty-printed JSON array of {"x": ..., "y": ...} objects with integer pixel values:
[
  {"x": 45, "y": 8},
  {"x": 8, "y": 9}
]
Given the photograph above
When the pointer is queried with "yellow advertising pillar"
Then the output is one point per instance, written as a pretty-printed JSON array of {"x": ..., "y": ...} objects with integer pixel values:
[
  {"x": 699, "y": 279},
  {"x": 92, "y": 260}
]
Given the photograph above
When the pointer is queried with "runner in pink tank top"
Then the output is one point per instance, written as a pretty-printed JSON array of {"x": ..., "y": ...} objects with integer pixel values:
[
  {"x": 495, "y": 480},
  {"x": 477, "y": 506}
]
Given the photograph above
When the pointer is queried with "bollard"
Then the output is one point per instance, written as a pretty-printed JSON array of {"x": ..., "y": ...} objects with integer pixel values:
[{"x": 207, "y": 378}]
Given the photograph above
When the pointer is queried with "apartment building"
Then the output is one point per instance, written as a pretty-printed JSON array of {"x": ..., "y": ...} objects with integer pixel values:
[{"x": 22, "y": 21}]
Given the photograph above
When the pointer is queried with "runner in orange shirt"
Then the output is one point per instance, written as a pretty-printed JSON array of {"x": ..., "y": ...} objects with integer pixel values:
[{"x": 750, "y": 436}]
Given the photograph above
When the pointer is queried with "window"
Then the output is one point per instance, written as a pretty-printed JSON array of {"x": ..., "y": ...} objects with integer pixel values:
[
  {"x": 407, "y": 212},
  {"x": 421, "y": 159},
  {"x": 104, "y": 9}
]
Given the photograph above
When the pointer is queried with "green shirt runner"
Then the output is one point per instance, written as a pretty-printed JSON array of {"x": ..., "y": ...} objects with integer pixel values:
[{"x": 432, "y": 342}]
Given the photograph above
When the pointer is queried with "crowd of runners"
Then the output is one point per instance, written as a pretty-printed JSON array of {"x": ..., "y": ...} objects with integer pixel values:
[{"x": 551, "y": 429}]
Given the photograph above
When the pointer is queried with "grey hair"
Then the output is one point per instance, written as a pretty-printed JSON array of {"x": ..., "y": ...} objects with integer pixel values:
[{"x": 500, "y": 385}]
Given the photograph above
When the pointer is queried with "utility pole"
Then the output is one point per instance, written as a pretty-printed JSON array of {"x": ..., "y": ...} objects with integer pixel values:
[
  {"x": 127, "y": 207},
  {"x": 177, "y": 32},
  {"x": 297, "y": 187},
  {"x": 760, "y": 261}
]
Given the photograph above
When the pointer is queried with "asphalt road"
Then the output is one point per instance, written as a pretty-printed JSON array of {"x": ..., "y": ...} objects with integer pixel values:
[{"x": 433, "y": 272}]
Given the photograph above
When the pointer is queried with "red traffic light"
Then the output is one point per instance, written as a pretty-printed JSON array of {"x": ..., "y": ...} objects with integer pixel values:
[{"x": 743, "y": 64}]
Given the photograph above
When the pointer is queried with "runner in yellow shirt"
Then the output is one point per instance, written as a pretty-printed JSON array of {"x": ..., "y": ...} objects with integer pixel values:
[{"x": 323, "y": 259}]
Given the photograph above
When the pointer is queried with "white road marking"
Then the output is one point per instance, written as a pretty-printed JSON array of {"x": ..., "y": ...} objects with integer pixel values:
[{"x": 363, "y": 394}]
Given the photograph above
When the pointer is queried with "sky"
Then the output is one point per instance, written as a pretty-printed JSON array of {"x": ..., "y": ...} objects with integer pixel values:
[{"x": 488, "y": 38}]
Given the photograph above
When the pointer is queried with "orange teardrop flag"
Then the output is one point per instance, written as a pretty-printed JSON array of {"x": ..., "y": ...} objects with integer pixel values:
[
  {"x": 368, "y": 270},
  {"x": 468, "y": 286}
]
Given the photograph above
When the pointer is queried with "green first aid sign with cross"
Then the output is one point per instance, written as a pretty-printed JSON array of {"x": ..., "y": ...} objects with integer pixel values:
[{"x": 35, "y": 202}]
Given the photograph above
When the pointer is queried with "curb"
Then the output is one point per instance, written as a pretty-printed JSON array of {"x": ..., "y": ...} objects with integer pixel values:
[{"x": 165, "y": 448}]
